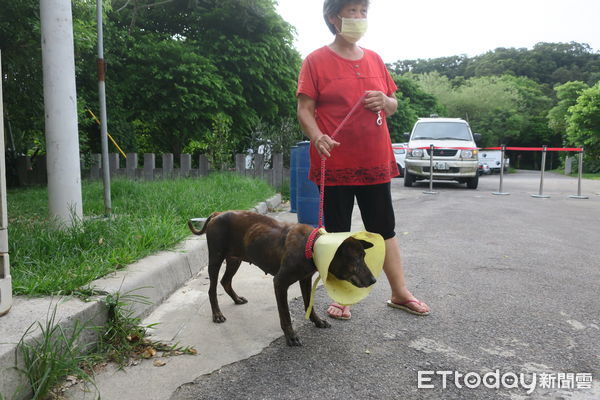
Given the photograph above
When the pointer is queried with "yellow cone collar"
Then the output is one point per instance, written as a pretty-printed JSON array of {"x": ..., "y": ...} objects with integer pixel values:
[{"x": 343, "y": 292}]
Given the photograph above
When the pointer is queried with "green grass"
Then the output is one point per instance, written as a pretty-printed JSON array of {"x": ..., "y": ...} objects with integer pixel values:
[
  {"x": 53, "y": 356},
  {"x": 58, "y": 352},
  {"x": 149, "y": 217},
  {"x": 125, "y": 338},
  {"x": 585, "y": 175}
]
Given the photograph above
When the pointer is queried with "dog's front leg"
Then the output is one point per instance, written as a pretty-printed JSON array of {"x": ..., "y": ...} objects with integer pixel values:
[
  {"x": 305, "y": 289},
  {"x": 281, "y": 286}
]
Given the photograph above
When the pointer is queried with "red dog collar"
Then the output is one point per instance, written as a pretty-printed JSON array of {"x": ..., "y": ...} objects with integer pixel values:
[{"x": 308, "y": 251}]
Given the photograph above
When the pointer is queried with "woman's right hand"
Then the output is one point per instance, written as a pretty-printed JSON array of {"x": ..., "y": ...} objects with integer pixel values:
[
  {"x": 324, "y": 144},
  {"x": 306, "y": 116}
]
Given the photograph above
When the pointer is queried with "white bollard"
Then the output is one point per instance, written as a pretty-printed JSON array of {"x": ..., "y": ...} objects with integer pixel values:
[
  {"x": 5, "y": 284},
  {"x": 5, "y": 279}
]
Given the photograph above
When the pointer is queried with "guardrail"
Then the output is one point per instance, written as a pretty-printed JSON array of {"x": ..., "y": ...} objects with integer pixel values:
[
  {"x": 148, "y": 171},
  {"x": 544, "y": 150},
  {"x": 503, "y": 148}
]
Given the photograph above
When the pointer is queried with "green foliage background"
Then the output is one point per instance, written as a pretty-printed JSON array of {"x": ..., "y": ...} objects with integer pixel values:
[
  {"x": 174, "y": 68},
  {"x": 181, "y": 73},
  {"x": 518, "y": 97}
]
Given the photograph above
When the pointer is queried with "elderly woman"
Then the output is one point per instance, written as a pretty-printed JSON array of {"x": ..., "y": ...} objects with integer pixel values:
[{"x": 360, "y": 161}]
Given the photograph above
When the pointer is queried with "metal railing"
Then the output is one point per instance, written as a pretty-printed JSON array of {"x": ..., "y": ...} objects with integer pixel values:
[{"x": 544, "y": 149}]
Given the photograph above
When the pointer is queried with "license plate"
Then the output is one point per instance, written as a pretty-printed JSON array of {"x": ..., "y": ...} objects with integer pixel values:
[{"x": 441, "y": 166}]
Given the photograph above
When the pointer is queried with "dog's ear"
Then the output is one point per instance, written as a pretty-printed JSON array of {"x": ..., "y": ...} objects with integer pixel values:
[{"x": 365, "y": 244}]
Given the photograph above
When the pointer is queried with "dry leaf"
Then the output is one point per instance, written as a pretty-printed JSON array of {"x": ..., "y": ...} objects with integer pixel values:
[
  {"x": 133, "y": 338},
  {"x": 69, "y": 382},
  {"x": 149, "y": 352},
  {"x": 159, "y": 363}
]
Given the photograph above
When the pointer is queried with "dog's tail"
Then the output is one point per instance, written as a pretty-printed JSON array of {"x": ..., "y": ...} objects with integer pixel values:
[{"x": 203, "y": 229}]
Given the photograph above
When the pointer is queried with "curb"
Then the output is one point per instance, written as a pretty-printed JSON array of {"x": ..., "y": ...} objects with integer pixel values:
[{"x": 155, "y": 277}]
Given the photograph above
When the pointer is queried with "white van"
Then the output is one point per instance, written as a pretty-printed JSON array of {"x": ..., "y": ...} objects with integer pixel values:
[
  {"x": 454, "y": 156},
  {"x": 493, "y": 159}
]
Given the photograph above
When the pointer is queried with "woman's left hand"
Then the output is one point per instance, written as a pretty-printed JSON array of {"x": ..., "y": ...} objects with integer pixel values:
[{"x": 376, "y": 100}]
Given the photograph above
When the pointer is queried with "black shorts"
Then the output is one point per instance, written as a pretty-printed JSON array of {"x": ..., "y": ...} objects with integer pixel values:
[{"x": 374, "y": 202}]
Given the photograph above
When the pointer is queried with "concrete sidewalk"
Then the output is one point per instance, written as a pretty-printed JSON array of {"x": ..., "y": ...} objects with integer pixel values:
[{"x": 156, "y": 277}]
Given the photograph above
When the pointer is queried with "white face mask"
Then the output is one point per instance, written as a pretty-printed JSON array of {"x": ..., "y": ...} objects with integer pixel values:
[{"x": 353, "y": 29}]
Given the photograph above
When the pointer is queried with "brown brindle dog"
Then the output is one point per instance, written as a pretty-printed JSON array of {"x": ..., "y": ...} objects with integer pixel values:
[{"x": 278, "y": 249}]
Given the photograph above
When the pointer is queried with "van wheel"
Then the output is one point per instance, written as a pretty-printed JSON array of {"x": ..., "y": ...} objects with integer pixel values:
[
  {"x": 473, "y": 182},
  {"x": 409, "y": 179}
]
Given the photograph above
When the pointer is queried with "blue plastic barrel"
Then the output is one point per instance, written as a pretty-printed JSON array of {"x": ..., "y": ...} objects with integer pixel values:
[
  {"x": 307, "y": 192},
  {"x": 293, "y": 173}
]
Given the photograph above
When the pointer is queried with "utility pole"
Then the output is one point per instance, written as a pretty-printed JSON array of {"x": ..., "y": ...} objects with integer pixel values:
[
  {"x": 60, "y": 109},
  {"x": 102, "y": 101},
  {"x": 5, "y": 279}
]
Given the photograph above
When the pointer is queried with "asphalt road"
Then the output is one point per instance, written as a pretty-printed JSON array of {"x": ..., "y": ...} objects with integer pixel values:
[{"x": 513, "y": 283}]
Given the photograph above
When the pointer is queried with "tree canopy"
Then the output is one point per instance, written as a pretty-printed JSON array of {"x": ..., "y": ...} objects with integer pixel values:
[
  {"x": 546, "y": 63},
  {"x": 515, "y": 96},
  {"x": 175, "y": 67},
  {"x": 583, "y": 125}
]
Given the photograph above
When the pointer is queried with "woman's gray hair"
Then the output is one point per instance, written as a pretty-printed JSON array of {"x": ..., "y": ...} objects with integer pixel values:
[{"x": 333, "y": 8}]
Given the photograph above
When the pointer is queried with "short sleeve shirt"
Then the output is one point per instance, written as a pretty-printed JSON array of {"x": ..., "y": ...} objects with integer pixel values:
[{"x": 365, "y": 155}]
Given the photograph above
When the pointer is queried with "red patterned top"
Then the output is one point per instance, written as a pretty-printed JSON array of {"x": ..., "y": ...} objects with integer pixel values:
[{"x": 365, "y": 156}]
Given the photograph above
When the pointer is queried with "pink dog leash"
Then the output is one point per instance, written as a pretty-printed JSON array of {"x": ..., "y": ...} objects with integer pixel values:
[
  {"x": 308, "y": 252},
  {"x": 323, "y": 159}
]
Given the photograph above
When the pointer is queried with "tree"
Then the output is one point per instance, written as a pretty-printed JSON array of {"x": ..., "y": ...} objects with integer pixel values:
[
  {"x": 20, "y": 37},
  {"x": 173, "y": 66},
  {"x": 546, "y": 63},
  {"x": 583, "y": 126},
  {"x": 490, "y": 104},
  {"x": 567, "y": 95},
  {"x": 451, "y": 67},
  {"x": 250, "y": 65},
  {"x": 532, "y": 106},
  {"x": 22, "y": 74},
  {"x": 175, "y": 92},
  {"x": 413, "y": 102}
]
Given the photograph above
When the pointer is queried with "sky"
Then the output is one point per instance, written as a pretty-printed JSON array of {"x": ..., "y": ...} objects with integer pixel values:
[{"x": 400, "y": 30}]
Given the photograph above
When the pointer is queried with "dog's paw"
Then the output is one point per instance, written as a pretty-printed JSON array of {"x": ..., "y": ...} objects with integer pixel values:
[
  {"x": 219, "y": 318},
  {"x": 240, "y": 300},
  {"x": 320, "y": 323},
  {"x": 293, "y": 340}
]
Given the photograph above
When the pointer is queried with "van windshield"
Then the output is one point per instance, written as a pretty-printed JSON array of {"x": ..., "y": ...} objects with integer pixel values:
[{"x": 441, "y": 131}]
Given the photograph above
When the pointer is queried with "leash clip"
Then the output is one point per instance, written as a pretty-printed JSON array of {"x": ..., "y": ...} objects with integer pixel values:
[{"x": 379, "y": 118}]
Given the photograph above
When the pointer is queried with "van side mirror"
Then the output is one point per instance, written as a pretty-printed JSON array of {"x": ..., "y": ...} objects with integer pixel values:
[
  {"x": 477, "y": 137},
  {"x": 406, "y": 136}
]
